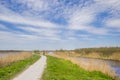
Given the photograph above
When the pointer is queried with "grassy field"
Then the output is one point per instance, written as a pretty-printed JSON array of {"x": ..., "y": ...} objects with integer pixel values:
[
  {"x": 9, "y": 71},
  {"x": 89, "y": 65},
  {"x": 60, "y": 69},
  {"x": 10, "y": 58},
  {"x": 112, "y": 53}
]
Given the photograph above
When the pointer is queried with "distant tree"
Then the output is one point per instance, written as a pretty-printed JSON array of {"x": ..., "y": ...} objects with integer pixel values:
[{"x": 37, "y": 51}]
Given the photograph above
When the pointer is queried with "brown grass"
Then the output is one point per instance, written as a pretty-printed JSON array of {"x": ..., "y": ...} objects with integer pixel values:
[
  {"x": 13, "y": 58},
  {"x": 91, "y": 65},
  {"x": 115, "y": 56},
  {"x": 92, "y": 55},
  {"x": 112, "y": 56}
]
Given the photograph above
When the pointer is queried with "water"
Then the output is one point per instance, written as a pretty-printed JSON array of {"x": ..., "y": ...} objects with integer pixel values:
[{"x": 115, "y": 65}]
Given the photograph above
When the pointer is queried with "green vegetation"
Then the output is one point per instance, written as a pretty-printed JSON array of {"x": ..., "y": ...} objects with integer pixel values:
[
  {"x": 7, "y": 72},
  {"x": 106, "y": 51},
  {"x": 60, "y": 69},
  {"x": 112, "y": 53},
  {"x": 37, "y": 52},
  {"x": 4, "y": 61}
]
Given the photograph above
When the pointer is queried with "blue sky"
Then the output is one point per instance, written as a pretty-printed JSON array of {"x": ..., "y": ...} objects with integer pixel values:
[{"x": 59, "y": 24}]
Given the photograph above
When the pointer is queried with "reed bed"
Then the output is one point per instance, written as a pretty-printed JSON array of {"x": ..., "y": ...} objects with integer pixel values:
[
  {"x": 93, "y": 65},
  {"x": 103, "y": 52},
  {"x": 13, "y": 58},
  {"x": 90, "y": 65},
  {"x": 115, "y": 56}
]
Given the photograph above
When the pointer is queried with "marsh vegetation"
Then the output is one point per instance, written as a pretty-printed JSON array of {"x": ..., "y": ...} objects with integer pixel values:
[
  {"x": 60, "y": 69},
  {"x": 94, "y": 59},
  {"x": 11, "y": 65},
  {"x": 112, "y": 53}
]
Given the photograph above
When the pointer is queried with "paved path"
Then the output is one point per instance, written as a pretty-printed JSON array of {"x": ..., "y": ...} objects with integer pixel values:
[{"x": 34, "y": 72}]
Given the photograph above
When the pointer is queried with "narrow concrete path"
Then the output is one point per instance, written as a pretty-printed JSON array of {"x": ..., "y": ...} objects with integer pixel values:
[{"x": 34, "y": 72}]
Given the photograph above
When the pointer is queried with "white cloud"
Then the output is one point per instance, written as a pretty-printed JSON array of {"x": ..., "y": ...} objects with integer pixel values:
[
  {"x": 41, "y": 31},
  {"x": 114, "y": 23},
  {"x": 81, "y": 20},
  {"x": 35, "y": 4},
  {"x": 100, "y": 31},
  {"x": 36, "y": 34},
  {"x": 5, "y": 35},
  {"x": 18, "y": 19},
  {"x": 78, "y": 19},
  {"x": 71, "y": 38},
  {"x": 112, "y": 5},
  {"x": 27, "y": 21}
]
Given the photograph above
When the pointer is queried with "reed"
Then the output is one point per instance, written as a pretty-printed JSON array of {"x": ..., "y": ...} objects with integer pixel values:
[
  {"x": 115, "y": 56},
  {"x": 91, "y": 65},
  {"x": 103, "y": 53},
  {"x": 60, "y": 69},
  {"x": 13, "y": 58}
]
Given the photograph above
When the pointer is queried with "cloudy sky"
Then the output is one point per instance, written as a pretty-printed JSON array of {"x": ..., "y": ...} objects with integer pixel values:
[{"x": 59, "y": 24}]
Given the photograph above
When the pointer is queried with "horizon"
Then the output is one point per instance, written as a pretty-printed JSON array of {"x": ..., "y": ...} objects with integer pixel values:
[
  {"x": 56, "y": 49},
  {"x": 59, "y": 24}
]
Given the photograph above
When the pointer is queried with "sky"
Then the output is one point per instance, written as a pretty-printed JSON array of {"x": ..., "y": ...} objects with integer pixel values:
[{"x": 59, "y": 24}]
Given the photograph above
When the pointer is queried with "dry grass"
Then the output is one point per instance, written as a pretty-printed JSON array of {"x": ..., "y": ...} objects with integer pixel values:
[
  {"x": 92, "y": 55},
  {"x": 91, "y": 65},
  {"x": 115, "y": 56},
  {"x": 13, "y": 58}
]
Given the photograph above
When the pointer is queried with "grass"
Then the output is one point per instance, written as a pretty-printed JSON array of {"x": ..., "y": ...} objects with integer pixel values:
[
  {"x": 93, "y": 65},
  {"x": 105, "y": 50},
  {"x": 90, "y": 65},
  {"x": 60, "y": 69},
  {"x": 112, "y": 53},
  {"x": 14, "y": 58},
  {"x": 7, "y": 72}
]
